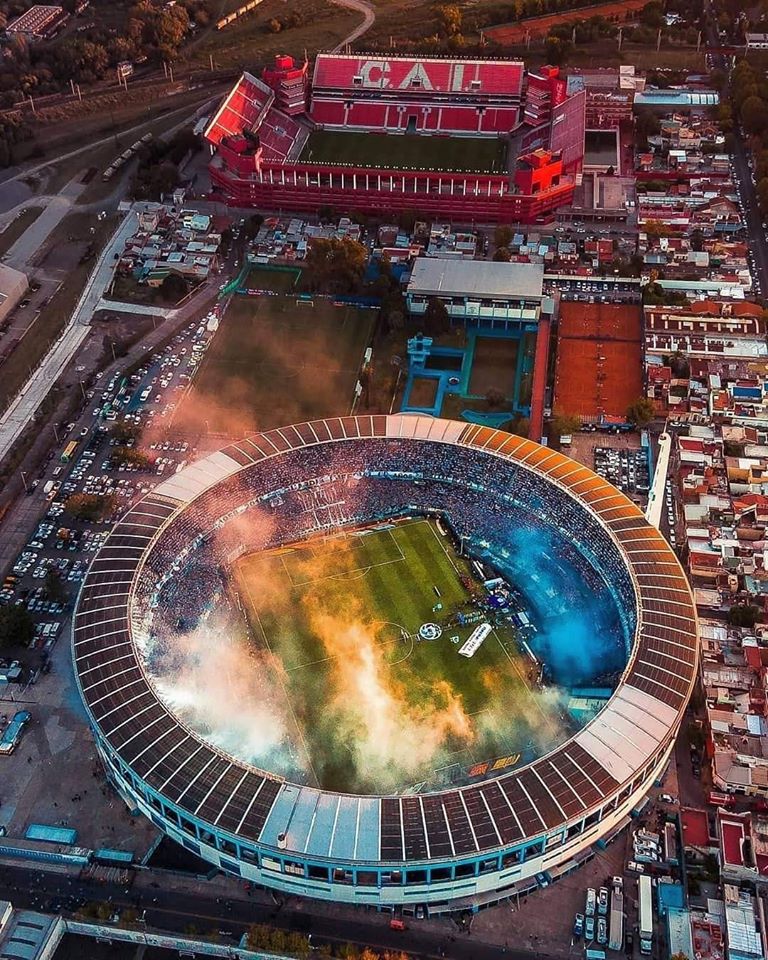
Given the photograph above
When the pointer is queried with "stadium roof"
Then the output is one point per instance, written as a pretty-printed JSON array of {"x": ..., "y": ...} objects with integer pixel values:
[
  {"x": 677, "y": 98},
  {"x": 618, "y": 749},
  {"x": 477, "y": 278}
]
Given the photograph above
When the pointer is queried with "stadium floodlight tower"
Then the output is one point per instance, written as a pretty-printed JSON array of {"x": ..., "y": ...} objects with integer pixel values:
[{"x": 453, "y": 848}]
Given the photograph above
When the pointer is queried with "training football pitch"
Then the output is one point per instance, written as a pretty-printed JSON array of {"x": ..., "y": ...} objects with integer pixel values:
[
  {"x": 410, "y": 151},
  {"x": 339, "y": 618}
]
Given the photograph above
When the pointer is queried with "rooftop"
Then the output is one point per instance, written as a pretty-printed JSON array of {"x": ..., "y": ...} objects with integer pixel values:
[{"x": 477, "y": 278}]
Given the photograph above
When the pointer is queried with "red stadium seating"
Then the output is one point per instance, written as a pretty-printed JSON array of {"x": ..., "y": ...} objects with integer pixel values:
[
  {"x": 243, "y": 109},
  {"x": 371, "y": 72},
  {"x": 278, "y": 134},
  {"x": 367, "y": 113}
]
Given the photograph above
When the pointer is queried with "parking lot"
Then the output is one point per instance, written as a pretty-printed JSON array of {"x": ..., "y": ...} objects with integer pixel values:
[
  {"x": 624, "y": 468},
  {"x": 102, "y": 464}
]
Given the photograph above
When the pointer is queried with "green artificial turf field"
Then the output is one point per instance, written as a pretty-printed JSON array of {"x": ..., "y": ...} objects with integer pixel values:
[
  {"x": 373, "y": 706},
  {"x": 410, "y": 151}
]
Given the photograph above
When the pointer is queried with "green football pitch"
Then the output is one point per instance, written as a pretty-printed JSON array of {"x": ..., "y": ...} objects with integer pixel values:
[
  {"x": 372, "y": 706},
  {"x": 409, "y": 151}
]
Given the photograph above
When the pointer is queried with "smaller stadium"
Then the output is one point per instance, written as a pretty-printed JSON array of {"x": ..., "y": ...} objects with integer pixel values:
[{"x": 449, "y": 137}]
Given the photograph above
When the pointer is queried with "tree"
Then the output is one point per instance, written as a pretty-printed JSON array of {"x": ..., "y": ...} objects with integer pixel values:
[
  {"x": 754, "y": 115},
  {"x": 436, "y": 317},
  {"x": 565, "y": 424},
  {"x": 641, "y": 412},
  {"x": 253, "y": 225},
  {"x": 502, "y": 236},
  {"x": 762, "y": 193},
  {"x": 17, "y": 628},
  {"x": 495, "y": 398},
  {"x": 502, "y": 254},
  {"x": 652, "y": 15},
  {"x": 334, "y": 265},
  {"x": 130, "y": 456},
  {"x": 122, "y": 432},
  {"x": 744, "y": 615},
  {"x": 556, "y": 50},
  {"x": 173, "y": 288},
  {"x": 89, "y": 506},
  {"x": 678, "y": 363},
  {"x": 655, "y": 228},
  {"x": 647, "y": 124},
  {"x": 450, "y": 19},
  {"x": 54, "y": 588}
]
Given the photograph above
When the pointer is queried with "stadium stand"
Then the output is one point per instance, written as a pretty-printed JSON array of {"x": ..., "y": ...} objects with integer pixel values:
[
  {"x": 281, "y": 137},
  {"x": 480, "y": 843},
  {"x": 448, "y": 96},
  {"x": 467, "y": 98},
  {"x": 349, "y": 73},
  {"x": 243, "y": 108}
]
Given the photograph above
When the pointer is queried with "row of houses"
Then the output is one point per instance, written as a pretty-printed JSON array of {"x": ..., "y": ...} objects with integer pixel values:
[{"x": 168, "y": 241}]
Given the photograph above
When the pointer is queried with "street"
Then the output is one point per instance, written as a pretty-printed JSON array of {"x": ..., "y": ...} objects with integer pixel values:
[{"x": 175, "y": 910}]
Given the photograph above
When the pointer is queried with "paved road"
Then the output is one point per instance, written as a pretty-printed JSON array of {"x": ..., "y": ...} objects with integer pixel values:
[
  {"x": 22, "y": 409},
  {"x": 369, "y": 18},
  {"x": 171, "y": 909},
  {"x": 756, "y": 236},
  {"x": 21, "y": 255}
]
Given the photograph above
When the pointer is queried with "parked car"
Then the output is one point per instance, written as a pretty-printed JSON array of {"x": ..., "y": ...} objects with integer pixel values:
[
  {"x": 602, "y": 901},
  {"x": 578, "y": 925}
]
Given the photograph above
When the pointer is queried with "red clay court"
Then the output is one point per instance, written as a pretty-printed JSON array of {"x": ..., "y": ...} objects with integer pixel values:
[
  {"x": 540, "y": 26},
  {"x": 599, "y": 368}
]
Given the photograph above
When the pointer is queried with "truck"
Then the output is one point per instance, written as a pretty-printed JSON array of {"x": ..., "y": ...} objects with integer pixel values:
[
  {"x": 721, "y": 800},
  {"x": 646, "y": 914},
  {"x": 616, "y": 927}
]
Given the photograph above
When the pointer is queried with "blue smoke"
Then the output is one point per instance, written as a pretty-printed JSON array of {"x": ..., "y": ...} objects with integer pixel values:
[{"x": 580, "y": 635}]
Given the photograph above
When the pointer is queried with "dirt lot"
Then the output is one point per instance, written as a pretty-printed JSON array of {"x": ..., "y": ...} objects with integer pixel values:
[{"x": 540, "y": 26}]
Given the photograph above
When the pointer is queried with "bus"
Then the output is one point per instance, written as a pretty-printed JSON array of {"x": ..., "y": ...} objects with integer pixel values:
[{"x": 68, "y": 451}]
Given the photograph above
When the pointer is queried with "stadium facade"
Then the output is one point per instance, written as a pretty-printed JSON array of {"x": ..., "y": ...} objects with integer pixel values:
[
  {"x": 449, "y": 849},
  {"x": 259, "y": 133}
]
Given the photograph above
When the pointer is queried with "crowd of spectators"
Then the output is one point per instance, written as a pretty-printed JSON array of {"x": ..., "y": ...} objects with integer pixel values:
[{"x": 486, "y": 501}]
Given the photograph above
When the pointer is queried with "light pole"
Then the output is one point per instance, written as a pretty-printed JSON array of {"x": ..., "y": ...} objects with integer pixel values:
[
  {"x": 82, "y": 390},
  {"x": 24, "y": 481}
]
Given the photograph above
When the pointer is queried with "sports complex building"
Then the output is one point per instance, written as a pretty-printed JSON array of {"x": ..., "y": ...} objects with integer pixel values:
[
  {"x": 445, "y": 137},
  {"x": 498, "y": 833}
]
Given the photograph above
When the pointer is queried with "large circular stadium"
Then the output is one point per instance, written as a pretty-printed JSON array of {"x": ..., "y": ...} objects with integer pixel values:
[{"x": 389, "y": 660}]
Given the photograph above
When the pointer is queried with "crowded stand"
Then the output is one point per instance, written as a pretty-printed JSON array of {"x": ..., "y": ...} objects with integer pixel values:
[{"x": 381, "y": 479}]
